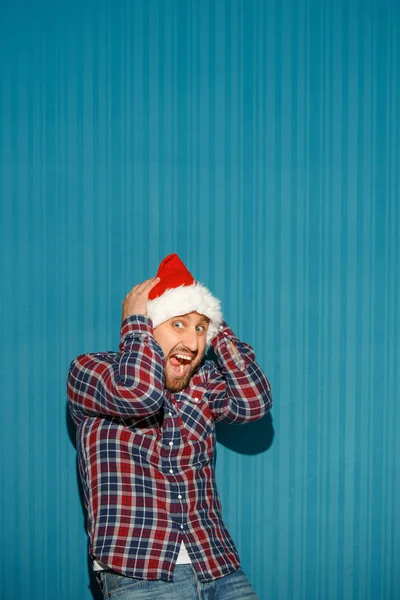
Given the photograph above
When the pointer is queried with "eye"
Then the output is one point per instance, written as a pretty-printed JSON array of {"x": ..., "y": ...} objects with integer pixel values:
[
  {"x": 200, "y": 328},
  {"x": 177, "y": 324}
]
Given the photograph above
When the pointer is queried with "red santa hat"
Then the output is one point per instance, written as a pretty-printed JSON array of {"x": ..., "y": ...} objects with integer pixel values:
[{"x": 177, "y": 293}]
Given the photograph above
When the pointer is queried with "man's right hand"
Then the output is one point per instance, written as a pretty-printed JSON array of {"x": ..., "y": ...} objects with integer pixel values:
[{"x": 135, "y": 302}]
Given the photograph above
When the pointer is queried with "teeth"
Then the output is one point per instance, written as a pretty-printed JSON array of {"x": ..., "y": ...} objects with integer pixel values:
[{"x": 183, "y": 357}]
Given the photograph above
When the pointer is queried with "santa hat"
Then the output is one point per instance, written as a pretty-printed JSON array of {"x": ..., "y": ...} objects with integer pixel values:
[{"x": 177, "y": 293}]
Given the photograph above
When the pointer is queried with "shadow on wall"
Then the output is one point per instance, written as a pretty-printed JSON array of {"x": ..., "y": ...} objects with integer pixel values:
[{"x": 249, "y": 438}]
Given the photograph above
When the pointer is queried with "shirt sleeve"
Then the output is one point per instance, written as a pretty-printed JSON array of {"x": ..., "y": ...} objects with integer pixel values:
[
  {"x": 238, "y": 390},
  {"x": 128, "y": 384}
]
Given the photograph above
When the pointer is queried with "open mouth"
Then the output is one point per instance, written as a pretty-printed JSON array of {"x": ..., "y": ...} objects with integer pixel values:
[{"x": 180, "y": 364}]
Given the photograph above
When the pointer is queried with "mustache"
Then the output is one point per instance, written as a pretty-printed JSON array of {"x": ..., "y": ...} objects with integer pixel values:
[{"x": 182, "y": 349}]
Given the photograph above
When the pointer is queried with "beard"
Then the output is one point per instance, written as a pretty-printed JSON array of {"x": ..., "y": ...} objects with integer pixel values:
[{"x": 175, "y": 383}]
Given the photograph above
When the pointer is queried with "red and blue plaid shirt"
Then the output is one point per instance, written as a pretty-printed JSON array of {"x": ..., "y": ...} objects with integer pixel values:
[{"x": 147, "y": 456}]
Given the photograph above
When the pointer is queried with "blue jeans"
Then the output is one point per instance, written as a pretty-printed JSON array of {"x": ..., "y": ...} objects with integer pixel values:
[{"x": 185, "y": 586}]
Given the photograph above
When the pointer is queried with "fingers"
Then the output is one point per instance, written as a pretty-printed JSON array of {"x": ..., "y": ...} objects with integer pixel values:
[
  {"x": 152, "y": 283},
  {"x": 148, "y": 285},
  {"x": 135, "y": 302},
  {"x": 145, "y": 286}
]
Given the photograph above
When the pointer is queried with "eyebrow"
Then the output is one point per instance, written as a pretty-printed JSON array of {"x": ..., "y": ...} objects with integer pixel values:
[{"x": 202, "y": 320}]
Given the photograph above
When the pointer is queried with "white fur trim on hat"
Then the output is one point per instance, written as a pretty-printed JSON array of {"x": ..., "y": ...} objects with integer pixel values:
[{"x": 183, "y": 300}]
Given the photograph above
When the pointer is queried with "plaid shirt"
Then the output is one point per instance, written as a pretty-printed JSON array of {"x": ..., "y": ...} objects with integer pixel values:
[{"x": 146, "y": 455}]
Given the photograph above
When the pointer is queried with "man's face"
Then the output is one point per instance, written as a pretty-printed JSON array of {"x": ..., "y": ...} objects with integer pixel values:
[{"x": 183, "y": 340}]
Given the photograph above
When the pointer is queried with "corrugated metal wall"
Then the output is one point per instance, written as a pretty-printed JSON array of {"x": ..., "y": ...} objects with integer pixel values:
[{"x": 259, "y": 140}]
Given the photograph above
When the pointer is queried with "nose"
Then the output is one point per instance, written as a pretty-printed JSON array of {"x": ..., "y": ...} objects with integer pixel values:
[{"x": 191, "y": 340}]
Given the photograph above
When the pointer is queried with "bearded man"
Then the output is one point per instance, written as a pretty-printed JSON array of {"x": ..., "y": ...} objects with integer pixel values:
[{"x": 145, "y": 420}]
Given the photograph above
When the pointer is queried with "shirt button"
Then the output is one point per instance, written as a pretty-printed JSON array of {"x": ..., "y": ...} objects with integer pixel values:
[
  {"x": 171, "y": 470},
  {"x": 182, "y": 526},
  {"x": 180, "y": 497},
  {"x": 170, "y": 414},
  {"x": 171, "y": 443}
]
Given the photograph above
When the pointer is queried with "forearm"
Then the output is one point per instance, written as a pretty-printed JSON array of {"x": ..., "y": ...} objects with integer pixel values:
[
  {"x": 241, "y": 391},
  {"x": 129, "y": 384}
]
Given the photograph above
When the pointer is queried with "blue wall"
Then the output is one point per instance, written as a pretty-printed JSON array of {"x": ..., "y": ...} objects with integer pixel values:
[{"x": 261, "y": 141}]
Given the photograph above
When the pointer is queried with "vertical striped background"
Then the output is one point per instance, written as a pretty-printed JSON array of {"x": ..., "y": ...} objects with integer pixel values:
[{"x": 260, "y": 140}]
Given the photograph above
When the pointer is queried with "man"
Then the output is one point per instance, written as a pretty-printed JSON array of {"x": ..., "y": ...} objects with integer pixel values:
[{"x": 146, "y": 442}]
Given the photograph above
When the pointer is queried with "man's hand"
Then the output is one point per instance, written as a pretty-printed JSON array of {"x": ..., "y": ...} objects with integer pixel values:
[{"x": 135, "y": 302}]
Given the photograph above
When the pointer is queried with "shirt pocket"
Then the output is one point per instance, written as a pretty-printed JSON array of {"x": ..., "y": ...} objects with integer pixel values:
[{"x": 196, "y": 414}]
